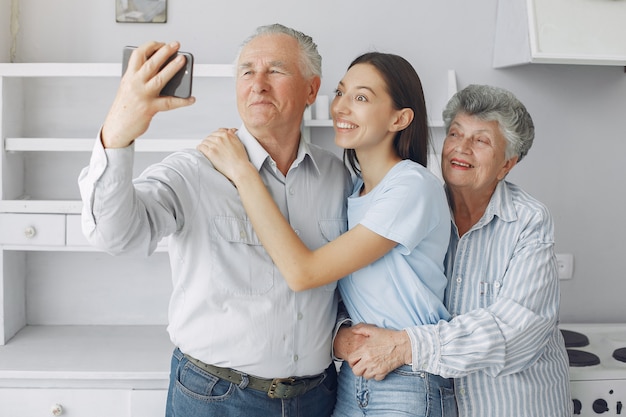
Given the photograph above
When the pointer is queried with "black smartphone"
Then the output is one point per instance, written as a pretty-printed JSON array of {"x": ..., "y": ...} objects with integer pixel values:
[{"x": 180, "y": 84}]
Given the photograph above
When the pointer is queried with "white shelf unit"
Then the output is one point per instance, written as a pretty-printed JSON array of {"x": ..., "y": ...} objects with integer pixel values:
[{"x": 78, "y": 326}]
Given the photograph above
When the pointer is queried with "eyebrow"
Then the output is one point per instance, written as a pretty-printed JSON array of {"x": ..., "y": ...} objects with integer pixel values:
[
  {"x": 476, "y": 131},
  {"x": 279, "y": 64},
  {"x": 360, "y": 87}
]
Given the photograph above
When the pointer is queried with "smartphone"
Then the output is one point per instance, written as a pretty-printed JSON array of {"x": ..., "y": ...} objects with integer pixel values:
[{"x": 180, "y": 84}]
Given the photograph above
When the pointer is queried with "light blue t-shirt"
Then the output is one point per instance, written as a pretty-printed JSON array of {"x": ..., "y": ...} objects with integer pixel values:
[{"x": 406, "y": 286}]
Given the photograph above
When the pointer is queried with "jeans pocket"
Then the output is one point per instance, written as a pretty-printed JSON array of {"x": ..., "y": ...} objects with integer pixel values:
[
  {"x": 448, "y": 403},
  {"x": 195, "y": 384}
]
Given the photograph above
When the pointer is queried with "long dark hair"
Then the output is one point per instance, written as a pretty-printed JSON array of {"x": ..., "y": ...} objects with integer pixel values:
[{"x": 405, "y": 88}]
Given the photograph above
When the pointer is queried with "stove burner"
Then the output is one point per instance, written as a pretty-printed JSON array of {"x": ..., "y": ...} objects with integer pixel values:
[
  {"x": 620, "y": 354},
  {"x": 582, "y": 358},
  {"x": 574, "y": 339}
]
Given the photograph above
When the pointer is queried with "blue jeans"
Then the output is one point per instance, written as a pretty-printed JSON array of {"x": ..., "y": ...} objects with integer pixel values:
[
  {"x": 403, "y": 392},
  {"x": 196, "y": 393}
]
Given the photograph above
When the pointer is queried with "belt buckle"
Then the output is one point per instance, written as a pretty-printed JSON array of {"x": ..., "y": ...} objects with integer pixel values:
[{"x": 276, "y": 383}]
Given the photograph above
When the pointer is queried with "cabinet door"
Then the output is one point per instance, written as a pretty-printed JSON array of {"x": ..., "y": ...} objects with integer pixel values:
[
  {"x": 35, "y": 402},
  {"x": 32, "y": 229}
]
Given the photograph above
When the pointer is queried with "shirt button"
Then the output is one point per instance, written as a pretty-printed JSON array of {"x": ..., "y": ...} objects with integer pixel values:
[
  {"x": 295, "y": 358},
  {"x": 459, "y": 280},
  {"x": 242, "y": 234},
  {"x": 497, "y": 285},
  {"x": 462, "y": 391},
  {"x": 299, "y": 316},
  {"x": 297, "y": 232},
  {"x": 292, "y": 191}
]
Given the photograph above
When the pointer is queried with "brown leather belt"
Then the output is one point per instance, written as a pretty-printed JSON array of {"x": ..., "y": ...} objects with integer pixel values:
[{"x": 282, "y": 388}]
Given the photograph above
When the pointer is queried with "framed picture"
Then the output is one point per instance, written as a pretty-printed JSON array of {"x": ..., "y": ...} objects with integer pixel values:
[{"x": 141, "y": 11}]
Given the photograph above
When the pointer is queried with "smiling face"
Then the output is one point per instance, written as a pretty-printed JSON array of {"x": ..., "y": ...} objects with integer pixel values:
[
  {"x": 473, "y": 155},
  {"x": 362, "y": 110},
  {"x": 272, "y": 91}
]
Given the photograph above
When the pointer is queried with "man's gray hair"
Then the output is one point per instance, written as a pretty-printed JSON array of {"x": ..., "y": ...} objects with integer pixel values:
[
  {"x": 310, "y": 59},
  {"x": 495, "y": 104}
]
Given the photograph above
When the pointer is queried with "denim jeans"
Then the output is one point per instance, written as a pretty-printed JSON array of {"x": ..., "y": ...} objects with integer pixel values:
[
  {"x": 403, "y": 392},
  {"x": 196, "y": 393}
]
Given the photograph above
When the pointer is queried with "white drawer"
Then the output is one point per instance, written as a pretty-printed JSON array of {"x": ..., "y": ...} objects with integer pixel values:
[
  {"x": 38, "y": 402},
  {"x": 32, "y": 229},
  {"x": 148, "y": 403},
  {"x": 75, "y": 235}
]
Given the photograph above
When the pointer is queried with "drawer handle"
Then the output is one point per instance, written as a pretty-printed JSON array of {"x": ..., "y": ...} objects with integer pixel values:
[
  {"x": 30, "y": 232},
  {"x": 56, "y": 409}
]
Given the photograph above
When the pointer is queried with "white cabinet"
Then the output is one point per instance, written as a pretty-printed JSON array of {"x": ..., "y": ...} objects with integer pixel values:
[
  {"x": 38, "y": 402},
  {"x": 147, "y": 403},
  {"x": 27, "y": 402},
  {"x": 590, "y": 32},
  {"x": 79, "y": 328}
]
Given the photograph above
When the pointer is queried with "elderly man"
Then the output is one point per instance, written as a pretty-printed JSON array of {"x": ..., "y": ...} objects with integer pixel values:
[{"x": 245, "y": 343}]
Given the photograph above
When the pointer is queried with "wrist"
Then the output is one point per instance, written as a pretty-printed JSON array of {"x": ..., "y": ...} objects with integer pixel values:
[
  {"x": 243, "y": 173},
  {"x": 111, "y": 139},
  {"x": 404, "y": 344}
]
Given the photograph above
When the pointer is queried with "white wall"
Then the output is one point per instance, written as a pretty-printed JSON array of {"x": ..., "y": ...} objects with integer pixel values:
[{"x": 575, "y": 166}]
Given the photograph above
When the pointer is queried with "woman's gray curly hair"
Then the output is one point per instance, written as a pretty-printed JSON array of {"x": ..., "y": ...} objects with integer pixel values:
[{"x": 495, "y": 104}]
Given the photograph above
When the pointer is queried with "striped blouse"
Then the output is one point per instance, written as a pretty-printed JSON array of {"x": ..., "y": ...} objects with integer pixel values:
[{"x": 502, "y": 345}]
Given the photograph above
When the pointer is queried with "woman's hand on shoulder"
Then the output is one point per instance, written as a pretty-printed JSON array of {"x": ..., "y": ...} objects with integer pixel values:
[{"x": 226, "y": 152}]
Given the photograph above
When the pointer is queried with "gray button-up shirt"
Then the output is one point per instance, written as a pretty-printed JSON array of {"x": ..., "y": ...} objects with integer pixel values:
[{"x": 230, "y": 306}]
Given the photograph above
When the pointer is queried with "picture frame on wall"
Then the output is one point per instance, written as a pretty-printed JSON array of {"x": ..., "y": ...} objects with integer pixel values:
[{"x": 141, "y": 11}]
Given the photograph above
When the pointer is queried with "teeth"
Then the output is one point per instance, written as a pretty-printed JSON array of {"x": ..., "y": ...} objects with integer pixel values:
[
  {"x": 344, "y": 125},
  {"x": 461, "y": 164}
]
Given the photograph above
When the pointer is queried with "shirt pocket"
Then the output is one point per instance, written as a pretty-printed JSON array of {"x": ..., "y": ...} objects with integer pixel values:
[
  {"x": 331, "y": 229},
  {"x": 240, "y": 264},
  {"x": 488, "y": 292}
]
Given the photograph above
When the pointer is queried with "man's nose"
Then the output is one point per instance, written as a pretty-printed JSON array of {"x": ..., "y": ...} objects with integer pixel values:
[{"x": 260, "y": 83}]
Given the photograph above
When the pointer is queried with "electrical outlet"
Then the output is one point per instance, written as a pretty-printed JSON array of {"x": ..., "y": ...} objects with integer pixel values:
[{"x": 565, "y": 265}]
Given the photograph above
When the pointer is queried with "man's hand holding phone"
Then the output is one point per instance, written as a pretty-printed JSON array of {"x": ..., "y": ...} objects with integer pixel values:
[{"x": 139, "y": 97}]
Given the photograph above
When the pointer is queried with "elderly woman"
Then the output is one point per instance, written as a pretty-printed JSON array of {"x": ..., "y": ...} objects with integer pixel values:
[{"x": 502, "y": 346}]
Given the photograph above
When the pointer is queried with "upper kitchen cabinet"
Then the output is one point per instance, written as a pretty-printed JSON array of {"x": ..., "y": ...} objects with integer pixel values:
[{"x": 584, "y": 32}]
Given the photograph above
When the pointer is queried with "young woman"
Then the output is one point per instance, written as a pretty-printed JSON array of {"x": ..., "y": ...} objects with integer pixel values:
[{"x": 391, "y": 258}]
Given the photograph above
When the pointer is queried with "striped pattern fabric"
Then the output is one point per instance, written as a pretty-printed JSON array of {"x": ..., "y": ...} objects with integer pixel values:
[{"x": 502, "y": 345}]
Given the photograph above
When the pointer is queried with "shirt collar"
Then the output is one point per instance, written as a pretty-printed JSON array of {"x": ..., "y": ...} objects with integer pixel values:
[
  {"x": 258, "y": 155},
  {"x": 501, "y": 205}
]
